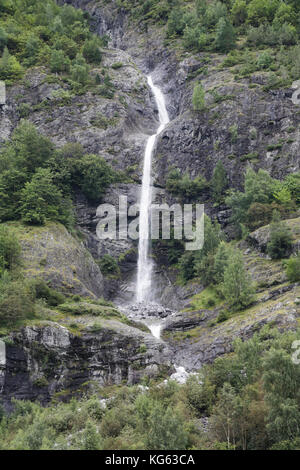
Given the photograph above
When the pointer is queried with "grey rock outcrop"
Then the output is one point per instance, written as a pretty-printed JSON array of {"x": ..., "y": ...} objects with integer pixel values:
[{"x": 47, "y": 361}]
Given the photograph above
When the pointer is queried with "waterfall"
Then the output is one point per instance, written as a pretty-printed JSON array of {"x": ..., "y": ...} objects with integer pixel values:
[{"x": 144, "y": 274}]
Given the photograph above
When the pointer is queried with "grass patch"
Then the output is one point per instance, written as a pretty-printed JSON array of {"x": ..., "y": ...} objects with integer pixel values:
[{"x": 207, "y": 299}]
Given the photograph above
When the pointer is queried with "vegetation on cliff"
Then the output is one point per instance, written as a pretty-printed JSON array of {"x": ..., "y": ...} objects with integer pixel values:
[
  {"x": 247, "y": 400},
  {"x": 35, "y": 33}
]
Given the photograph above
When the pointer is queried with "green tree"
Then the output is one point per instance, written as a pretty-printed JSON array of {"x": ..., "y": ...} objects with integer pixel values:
[
  {"x": 10, "y": 249},
  {"x": 67, "y": 44},
  {"x": 204, "y": 259},
  {"x": 176, "y": 23},
  {"x": 221, "y": 261},
  {"x": 224, "y": 415},
  {"x": 258, "y": 188},
  {"x": 3, "y": 39},
  {"x": 260, "y": 11},
  {"x": 293, "y": 268},
  {"x": 29, "y": 148},
  {"x": 225, "y": 36},
  {"x": 166, "y": 430},
  {"x": 16, "y": 302},
  {"x": 59, "y": 62},
  {"x": 239, "y": 12},
  {"x": 41, "y": 199},
  {"x": 198, "y": 99},
  {"x": 90, "y": 437},
  {"x": 285, "y": 14},
  {"x": 186, "y": 266},
  {"x": 195, "y": 37},
  {"x": 281, "y": 380},
  {"x": 280, "y": 242},
  {"x": 10, "y": 68},
  {"x": 91, "y": 51},
  {"x": 80, "y": 70},
  {"x": 183, "y": 186},
  {"x": 31, "y": 51},
  {"x": 219, "y": 182},
  {"x": 93, "y": 175},
  {"x": 11, "y": 183},
  {"x": 237, "y": 286}
]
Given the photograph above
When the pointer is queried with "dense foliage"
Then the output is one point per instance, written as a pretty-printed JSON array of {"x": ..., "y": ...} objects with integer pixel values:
[
  {"x": 216, "y": 25},
  {"x": 250, "y": 398},
  {"x": 37, "y": 180},
  {"x": 39, "y": 33},
  {"x": 262, "y": 196}
]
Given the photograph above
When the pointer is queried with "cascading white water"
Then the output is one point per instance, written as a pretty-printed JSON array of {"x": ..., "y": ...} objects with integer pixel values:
[{"x": 144, "y": 274}]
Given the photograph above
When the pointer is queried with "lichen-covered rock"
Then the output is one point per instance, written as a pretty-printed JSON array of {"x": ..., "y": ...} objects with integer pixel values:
[{"x": 51, "y": 253}]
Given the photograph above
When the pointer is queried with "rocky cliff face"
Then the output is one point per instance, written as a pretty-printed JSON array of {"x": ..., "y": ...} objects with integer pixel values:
[
  {"x": 47, "y": 361},
  {"x": 52, "y": 254},
  {"x": 243, "y": 125}
]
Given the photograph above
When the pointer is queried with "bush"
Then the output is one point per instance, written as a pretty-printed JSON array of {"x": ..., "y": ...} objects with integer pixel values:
[
  {"x": 16, "y": 303},
  {"x": 10, "y": 68},
  {"x": 293, "y": 268},
  {"x": 198, "y": 97},
  {"x": 166, "y": 430},
  {"x": 225, "y": 36},
  {"x": 176, "y": 23},
  {"x": 109, "y": 266},
  {"x": 280, "y": 243},
  {"x": 59, "y": 62},
  {"x": 186, "y": 266},
  {"x": 91, "y": 51},
  {"x": 41, "y": 199},
  {"x": 218, "y": 182},
  {"x": 237, "y": 287},
  {"x": 28, "y": 149},
  {"x": 264, "y": 60},
  {"x": 184, "y": 187},
  {"x": 10, "y": 249},
  {"x": 93, "y": 175},
  {"x": 43, "y": 291}
]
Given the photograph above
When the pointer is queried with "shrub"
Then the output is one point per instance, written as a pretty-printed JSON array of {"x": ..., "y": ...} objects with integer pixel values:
[
  {"x": 237, "y": 287},
  {"x": 218, "y": 182},
  {"x": 41, "y": 199},
  {"x": 225, "y": 35},
  {"x": 109, "y": 266},
  {"x": 10, "y": 249},
  {"x": 280, "y": 243},
  {"x": 29, "y": 149},
  {"x": 184, "y": 187},
  {"x": 205, "y": 258},
  {"x": 186, "y": 266},
  {"x": 43, "y": 291},
  {"x": 93, "y": 175},
  {"x": 239, "y": 12},
  {"x": 91, "y": 51},
  {"x": 176, "y": 23},
  {"x": 16, "y": 303},
  {"x": 198, "y": 97},
  {"x": 293, "y": 268},
  {"x": 59, "y": 62},
  {"x": 166, "y": 430},
  {"x": 264, "y": 60},
  {"x": 10, "y": 68}
]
